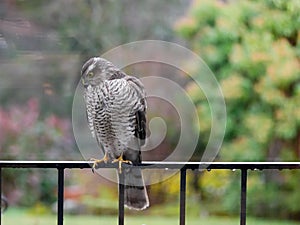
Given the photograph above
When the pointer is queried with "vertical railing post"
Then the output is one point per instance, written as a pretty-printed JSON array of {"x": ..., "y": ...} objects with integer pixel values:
[
  {"x": 121, "y": 198},
  {"x": 60, "y": 196},
  {"x": 1, "y": 195},
  {"x": 243, "y": 209},
  {"x": 182, "y": 196}
]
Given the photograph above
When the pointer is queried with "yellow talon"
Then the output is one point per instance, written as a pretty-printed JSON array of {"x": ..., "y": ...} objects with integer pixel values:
[
  {"x": 96, "y": 161},
  {"x": 120, "y": 160}
]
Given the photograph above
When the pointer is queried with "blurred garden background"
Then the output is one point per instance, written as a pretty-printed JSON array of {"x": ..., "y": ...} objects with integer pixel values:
[{"x": 252, "y": 47}]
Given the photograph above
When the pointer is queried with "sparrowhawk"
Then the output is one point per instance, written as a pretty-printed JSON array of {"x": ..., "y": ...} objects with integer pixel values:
[{"x": 116, "y": 114}]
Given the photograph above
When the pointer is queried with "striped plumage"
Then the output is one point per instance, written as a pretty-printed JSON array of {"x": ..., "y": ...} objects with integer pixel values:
[{"x": 116, "y": 108}]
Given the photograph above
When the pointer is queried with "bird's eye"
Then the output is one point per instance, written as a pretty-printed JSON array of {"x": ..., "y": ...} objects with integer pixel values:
[{"x": 90, "y": 74}]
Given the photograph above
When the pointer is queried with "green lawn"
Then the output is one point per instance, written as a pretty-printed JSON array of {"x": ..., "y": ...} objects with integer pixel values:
[{"x": 14, "y": 216}]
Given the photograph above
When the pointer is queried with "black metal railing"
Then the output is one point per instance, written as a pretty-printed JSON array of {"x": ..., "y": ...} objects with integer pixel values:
[{"x": 183, "y": 167}]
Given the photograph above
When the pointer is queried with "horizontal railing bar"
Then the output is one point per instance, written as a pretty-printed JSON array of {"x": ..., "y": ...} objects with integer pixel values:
[{"x": 153, "y": 165}]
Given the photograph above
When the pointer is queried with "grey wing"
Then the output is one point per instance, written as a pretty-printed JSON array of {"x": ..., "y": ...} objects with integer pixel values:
[
  {"x": 140, "y": 129},
  {"x": 140, "y": 114}
]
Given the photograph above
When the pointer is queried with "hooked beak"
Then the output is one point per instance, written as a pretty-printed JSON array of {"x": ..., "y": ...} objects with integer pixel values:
[{"x": 84, "y": 83}]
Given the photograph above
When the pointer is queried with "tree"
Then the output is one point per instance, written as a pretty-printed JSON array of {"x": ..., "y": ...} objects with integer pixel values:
[
  {"x": 61, "y": 30},
  {"x": 253, "y": 47}
]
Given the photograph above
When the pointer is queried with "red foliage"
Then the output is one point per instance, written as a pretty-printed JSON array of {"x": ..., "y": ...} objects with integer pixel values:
[{"x": 24, "y": 134}]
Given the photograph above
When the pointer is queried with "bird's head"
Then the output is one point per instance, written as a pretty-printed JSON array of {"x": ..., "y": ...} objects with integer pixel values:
[{"x": 96, "y": 70}]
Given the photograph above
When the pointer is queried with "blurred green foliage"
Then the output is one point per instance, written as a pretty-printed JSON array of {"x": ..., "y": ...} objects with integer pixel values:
[
  {"x": 93, "y": 26},
  {"x": 19, "y": 216},
  {"x": 253, "y": 48}
]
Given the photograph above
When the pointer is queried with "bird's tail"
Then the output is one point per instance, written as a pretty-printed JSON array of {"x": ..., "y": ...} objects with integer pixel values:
[{"x": 136, "y": 196}]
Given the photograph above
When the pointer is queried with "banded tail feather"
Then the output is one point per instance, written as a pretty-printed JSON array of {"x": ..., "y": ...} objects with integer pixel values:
[{"x": 136, "y": 196}]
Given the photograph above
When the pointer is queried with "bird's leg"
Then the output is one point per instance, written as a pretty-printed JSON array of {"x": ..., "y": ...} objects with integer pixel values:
[
  {"x": 96, "y": 161},
  {"x": 120, "y": 160}
]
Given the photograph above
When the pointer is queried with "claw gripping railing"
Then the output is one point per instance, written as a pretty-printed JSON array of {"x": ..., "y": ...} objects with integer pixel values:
[{"x": 62, "y": 165}]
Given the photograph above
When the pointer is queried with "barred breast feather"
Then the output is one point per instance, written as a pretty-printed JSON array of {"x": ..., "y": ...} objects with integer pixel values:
[{"x": 111, "y": 110}]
